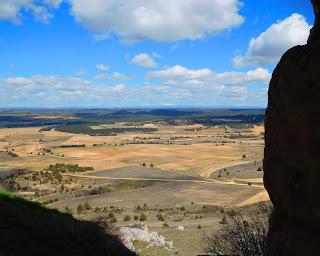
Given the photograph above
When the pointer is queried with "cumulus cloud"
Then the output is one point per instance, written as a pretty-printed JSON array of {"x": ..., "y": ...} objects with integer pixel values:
[
  {"x": 269, "y": 46},
  {"x": 176, "y": 85},
  {"x": 182, "y": 75},
  {"x": 11, "y": 9},
  {"x": 102, "y": 67},
  {"x": 145, "y": 60},
  {"x": 157, "y": 20},
  {"x": 57, "y": 89},
  {"x": 207, "y": 87}
]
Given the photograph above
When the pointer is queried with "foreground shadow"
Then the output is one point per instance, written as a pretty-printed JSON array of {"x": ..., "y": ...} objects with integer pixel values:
[{"x": 28, "y": 228}]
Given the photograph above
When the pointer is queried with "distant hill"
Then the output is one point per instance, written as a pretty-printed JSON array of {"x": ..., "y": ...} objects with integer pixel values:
[
  {"x": 28, "y": 228},
  {"x": 28, "y": 118}
]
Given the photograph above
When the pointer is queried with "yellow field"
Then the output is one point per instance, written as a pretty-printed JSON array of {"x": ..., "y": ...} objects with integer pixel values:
[{"x": 196, "y": 159}]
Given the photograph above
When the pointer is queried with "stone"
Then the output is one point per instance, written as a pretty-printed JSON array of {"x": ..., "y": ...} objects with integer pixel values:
[
  {"x": 140, "y": 232},
  {"x": 181, "y": 228},
  {"x": 292, "y": 150}
]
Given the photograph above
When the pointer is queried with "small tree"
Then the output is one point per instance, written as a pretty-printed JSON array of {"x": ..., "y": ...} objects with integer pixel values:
[
  {"x": 143, "y": 217},
  {"x": 111, "y": 215},
  {"x": 127, "y": 218},
  {"x": 241, "y": 235}
]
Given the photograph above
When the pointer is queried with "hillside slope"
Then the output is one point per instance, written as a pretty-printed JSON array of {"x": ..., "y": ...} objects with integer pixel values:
[{"x": 28, "y": 228}]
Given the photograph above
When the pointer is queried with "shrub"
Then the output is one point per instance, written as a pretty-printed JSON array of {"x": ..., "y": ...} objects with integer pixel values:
[
  {"x": 80, "y": 208},
  {"x": 199, "y": 227},
  {"x": 160, "y": 217},
  {"x": 113, "y": 220},
  {"x": 241, "y": 235},
  {"x": 151, "y": 165},
  {"x": 165, "y": 225},
  {"x": 244, "y": 156},
  {"x": 182, "y": 208},
  {"x": 136, "y": 217},
  {"x": 127, "y": 218},
  {"x": 111, "y": 215},
  {"x": 144, "y": 165},
  {"x": 87, "y": 206},
  {"x": 143, "y": 217}
]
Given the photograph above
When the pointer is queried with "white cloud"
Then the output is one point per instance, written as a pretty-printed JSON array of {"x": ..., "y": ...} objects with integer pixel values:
[
  {"x": 101, "y": 77},
  {"x": 176, "y": 85},
  {"x": 145, "y": 60},
  {"x": 118, "y": 88},
  {"x": 102, "y": 67},
  {"x": 179, "y": 74},
  {"x": 157, "y": 20},
  {"x": 210, "y": 87},
  {"x": 119, "y": 76},
  {"x": 269, "y": 46},
  {"x": 61, "y": 87},
  {"x": 11, "y": 9}
]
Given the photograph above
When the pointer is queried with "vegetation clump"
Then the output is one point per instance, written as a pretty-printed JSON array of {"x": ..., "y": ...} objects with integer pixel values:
[
  {"x": 242, "y": 234},
  {"x": 65, "y": 168},
  {"x": 143, "y": 217},
  {"x": 127, "y": 218}
]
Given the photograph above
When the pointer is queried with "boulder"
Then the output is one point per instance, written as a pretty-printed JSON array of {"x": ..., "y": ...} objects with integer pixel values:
[{"x": 140, "y": 232}]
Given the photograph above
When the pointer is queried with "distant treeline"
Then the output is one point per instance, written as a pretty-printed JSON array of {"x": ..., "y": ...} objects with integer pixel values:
[
  {"x": 73, "y": 146},
  {"x": 84, "y": 129},
  {"x": 65, "y": 168}
]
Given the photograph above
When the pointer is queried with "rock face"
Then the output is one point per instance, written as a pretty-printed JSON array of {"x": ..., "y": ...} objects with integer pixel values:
[{"x": 292, "y": 151}]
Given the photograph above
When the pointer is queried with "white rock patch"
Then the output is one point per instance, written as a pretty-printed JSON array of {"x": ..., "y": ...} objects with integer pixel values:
[
  {"x": 139, "y": 232},
  {"x": 181, "y": 228}
]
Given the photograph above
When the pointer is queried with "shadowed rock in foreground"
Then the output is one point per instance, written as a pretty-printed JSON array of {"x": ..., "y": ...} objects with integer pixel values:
[
  {"x": 292, "y": 152},
  {"x": 27, "y": 228}
]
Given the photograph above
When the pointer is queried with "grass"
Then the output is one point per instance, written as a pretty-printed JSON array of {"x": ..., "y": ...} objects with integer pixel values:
[{"x": 29, "y": 228}]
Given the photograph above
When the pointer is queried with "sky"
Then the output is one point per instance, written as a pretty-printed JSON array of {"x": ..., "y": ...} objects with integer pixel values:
[{"x": 143, "y": 53}]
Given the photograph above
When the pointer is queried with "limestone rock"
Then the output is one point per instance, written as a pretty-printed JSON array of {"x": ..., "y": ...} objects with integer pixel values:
[{"x": 140, "y": 232}]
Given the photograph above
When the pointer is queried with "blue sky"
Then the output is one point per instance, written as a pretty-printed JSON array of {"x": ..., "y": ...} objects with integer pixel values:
[{"x": 118, "y": 53}]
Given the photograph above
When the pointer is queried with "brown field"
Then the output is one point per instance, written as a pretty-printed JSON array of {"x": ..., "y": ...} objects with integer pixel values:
[{"x": 186, "y": 160}]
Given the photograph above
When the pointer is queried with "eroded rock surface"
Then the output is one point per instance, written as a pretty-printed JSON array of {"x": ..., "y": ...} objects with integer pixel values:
[{"x": 292, "y": 152}]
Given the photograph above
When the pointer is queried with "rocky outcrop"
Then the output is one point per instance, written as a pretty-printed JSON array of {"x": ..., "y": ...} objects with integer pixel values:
[
  {"x": 140, "y": 232},
  {"x": 292, "y": 151}
]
